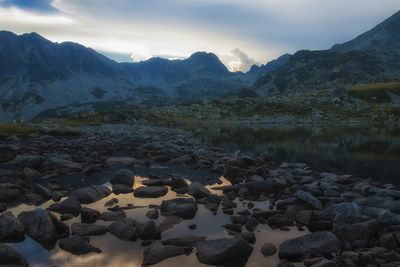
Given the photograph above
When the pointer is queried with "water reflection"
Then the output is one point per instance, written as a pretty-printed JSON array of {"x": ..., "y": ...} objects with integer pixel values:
[
  {"x": 116, "y": 252},
  {"x": 362, "y": 150}
]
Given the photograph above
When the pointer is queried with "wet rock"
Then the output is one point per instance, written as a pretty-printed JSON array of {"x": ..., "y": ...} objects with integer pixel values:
[
  {"x": 55, "y": 162},
  {"x": 268, "y": 249},
  {"x": 242, "y": 219},
  {"x": 121, "y": 189},
  {"x": 315, "y": 244},
  {"x": 197, "y": 190},
  {"x": 150, "y": 191},
  {"x": 121, "y": 161},
  {"x": 185, "y": 208},
  {"x": 43, "y": 227},
  {"x": 10, "y": 193},
  {"x": 89, "y": 215},
  {"x": 309, "y": 199},
  {"x": 11, "y": 229},
  {"x": 71, "y": 205},
  {"x": 124, "y": 176},
  {"x": 10, "y": 257},
  {"x": 184, "y": 241},
  {"x": 42, "y": 191},
  {"x": 157, "y": 253},
  {"x": 85, "y": 229},
  {"x": 225, "y": 252},
  {"x": 152, "y": 214},
  {"x": 77, "y": 245},
  {"x": 90, "y": 194},
  {"x": 124, "y": 230},
  {"x": 113, "y": 216},
  {"x": 169, "y": 222}
]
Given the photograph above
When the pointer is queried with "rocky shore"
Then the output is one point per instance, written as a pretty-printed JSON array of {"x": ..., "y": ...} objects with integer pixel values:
[{"x": 341, "y": 220}]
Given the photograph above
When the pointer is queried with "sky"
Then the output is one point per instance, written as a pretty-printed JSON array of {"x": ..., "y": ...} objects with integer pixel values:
[{"x": 240, "y": 32}]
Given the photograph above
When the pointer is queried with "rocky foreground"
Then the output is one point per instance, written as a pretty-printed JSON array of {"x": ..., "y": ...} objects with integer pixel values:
[{"x": 346, "y": 221}]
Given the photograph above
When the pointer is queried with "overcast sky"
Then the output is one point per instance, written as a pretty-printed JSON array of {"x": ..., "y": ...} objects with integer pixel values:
[{"x": 239, "y": 32}]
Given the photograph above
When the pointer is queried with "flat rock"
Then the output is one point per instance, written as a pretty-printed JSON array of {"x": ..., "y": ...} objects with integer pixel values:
[
  {"x": 90, "y": 194},
  {"x": 157, "y": 253},
  {"x": 85, "y": 229},
  {"x": 225, "y": 252},
  {"x": 123, "y": 176},
  {"x": 315, "y": 244},
  {"x": 10, "y": 257},
  {"x": 185, "y": 208},
  {"x": 11, "y": 229},
  {"x": 150, "y": 191},
  {"x": 77, "y": 245}
]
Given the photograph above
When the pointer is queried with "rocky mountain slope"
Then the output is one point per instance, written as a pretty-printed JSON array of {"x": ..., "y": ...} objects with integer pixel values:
[
  {"x": 36, "y": 75},
  {"x": 371, "y": 57}
]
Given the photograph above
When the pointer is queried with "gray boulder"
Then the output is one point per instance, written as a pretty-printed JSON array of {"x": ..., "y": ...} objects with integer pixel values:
[
  {"x": 185, "y": 208},
  {"x": 90, "y": 194},
  {"x": 10, "y": 193},
  {"x": 309, "y": 199},
  {"x": 42, "y": 191},
  {"x": 10, "y": 257},
  {"x": 11, "y": 229},
  {"x": 197, "y": 190},
  {"x": 150, "y": 191},
  {"x": 123, "y": 176},
  {"x": 225, "y": 252},
  {"x": 77, "y": 245},
  {"x": 310, "y": 245}
]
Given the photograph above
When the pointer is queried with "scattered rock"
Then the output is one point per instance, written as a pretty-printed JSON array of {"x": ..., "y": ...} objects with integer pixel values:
[
  {"x": 77, "y": 245},
  {"x": 121, "y": 161},
  {"x": 309, "y": 199},
  {"x": 152, "y": 214},
  {"x": 42, "y": 191},
  {"x": 184, "y": 241},
  {"x": 121, "y": 189}
]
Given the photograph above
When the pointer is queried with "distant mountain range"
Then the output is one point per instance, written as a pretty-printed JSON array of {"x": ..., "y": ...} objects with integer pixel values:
[{"x": 37, "y": 75}]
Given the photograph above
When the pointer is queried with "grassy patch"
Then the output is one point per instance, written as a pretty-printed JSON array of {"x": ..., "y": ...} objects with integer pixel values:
[
  {"x": 94, "y": 120},
  {"x": 17, "y": 130},
  {"x": 374, "y": 92}
]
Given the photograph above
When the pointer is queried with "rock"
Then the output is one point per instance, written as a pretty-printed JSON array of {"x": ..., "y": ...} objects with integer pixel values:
[
  {"x": 124, "y": 230},
  {"x": 268, "y": 249},
  {"x": 121, "y": 189},
  {"x": 112, "y": 216},
  {"x": 185, "y": 208},
  {"x": 90, "y": 194},
  {"x": 29, "y": 161},
  {"x": 85, "y": 229},
  {"x": 198, "y": 191},
  {"x": 11, "y": 229},
  {"x": 150, "y": 191},
  {"x": 56, "y": 196},
  {"x": 304, "y": 217},
  {"x": 3, "y": 207},
  {"x": 10, "y": 257},
  {"x": 66, "y": 217},
  {"x": 352, "y": 232},
  {"x": 248, "y": 236},
  {"x": 178, "y": 183},
  {"x": 89, "y": 215},
  {"x": 111, "y": 202},
  {"x": 124, "y": 176},
  {"x": 10, "y": 193},
  {"x": 284, "y": 263},
  {"x": 152, "y": 214},
  {"x": 147, "y": 230},
  {"x": 55, "y": 162},
  {"x": 43, "y": 227},
  {"x": 121, "y": 161},
  {"x": 77, "y": 245},
  {"x": 226, "y": 252},
  {"x": 315, "y": 244},
  {"x": 237, "y": 228},
  {"x": 70, "y": 205},
  {"x": 309, "y": 199},
  {"x": 168, "y": 223},
  {"x": 42, "y": 191},
  {"x": 251, "y": 225},
  {"x": 184, "y": 159},
  {"x": 184, "y": 241},
  {"x": 157, "y": 253},
  {"x": 192, "y": 226}
]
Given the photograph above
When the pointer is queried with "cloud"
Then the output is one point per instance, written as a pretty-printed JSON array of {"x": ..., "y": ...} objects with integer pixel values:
[
  {"x": 44, "y": 6},
  {"x": 242, "y": 62}
]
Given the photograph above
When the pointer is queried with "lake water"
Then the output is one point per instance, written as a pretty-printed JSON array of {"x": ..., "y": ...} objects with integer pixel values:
[{"x": 362, "y": 150}]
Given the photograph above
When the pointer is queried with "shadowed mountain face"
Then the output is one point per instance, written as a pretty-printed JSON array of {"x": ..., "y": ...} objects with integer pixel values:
[
  {"x": 36, "y": 74},
  {"x": 371, "y": 57}
]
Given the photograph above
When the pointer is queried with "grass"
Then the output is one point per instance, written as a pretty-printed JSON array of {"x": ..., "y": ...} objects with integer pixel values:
[
  {"x": 94, "y": 120},
  {"x": 17, "y": 130},
  {"x": 374, "y": 92}
]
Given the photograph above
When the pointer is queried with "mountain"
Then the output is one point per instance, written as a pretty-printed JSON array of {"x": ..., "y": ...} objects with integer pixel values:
[
  {"x": 37, "y": 74},
  {"x": 370, "y": 58}
]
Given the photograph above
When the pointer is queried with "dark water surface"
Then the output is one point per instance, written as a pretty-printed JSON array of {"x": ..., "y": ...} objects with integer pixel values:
[{"x": 362, "y": 150}]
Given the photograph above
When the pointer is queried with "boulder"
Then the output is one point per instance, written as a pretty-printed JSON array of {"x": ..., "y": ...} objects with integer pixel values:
[
  {"x": 10, "y": 193},
  {"x": 121, "y": 189},
  {"x": 89, "y": 215},
  {"x": 124, "y": 230},
  {"x": 11, "y": 229},
  {"x": 150, "y": 191},
  {"x": 85, "y": 229},
  {"x": 43, "y": 227},
  {"x": 113, "y": 216},
  {"x": 152, "y": 214},
  {"x": 315, "y": 244},
  {"x": 77, "y": 245},
  {"x": 147, "y": 230},
  {"x": 121, "y": 161},
  {"x": 42, "y": 191},
  {"x": 123, "y": 176},
  {"x": 70, "y": 205},
  {"x": 90, "y": 194},
  {"x": 309, "y": 199},
  {"x": 185, "y": 208},
  {"x": 55, "y": 162},
  {"x": 225, "y": 252},
  {"x": 197, "y": 190},
  {"x": 157, "y": 253},
  {"x": 268, "y": 249},
  {"x": 184, "y": 241},
  {"x": 10, "y": 257}
]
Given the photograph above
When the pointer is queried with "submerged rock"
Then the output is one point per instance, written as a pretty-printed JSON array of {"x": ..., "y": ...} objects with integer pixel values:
[
  {"x": 90, "y": 194},
  {"x": 157, "y": 253},
  {"x": 10, "y": 257},
  {"x": 185, "y": 208},
  {"x": 315, "y": 244},
  {"x": 225, "y": 252},
  {"x": 11, "y": 229},
  {"x": 77, "y": 245}
]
